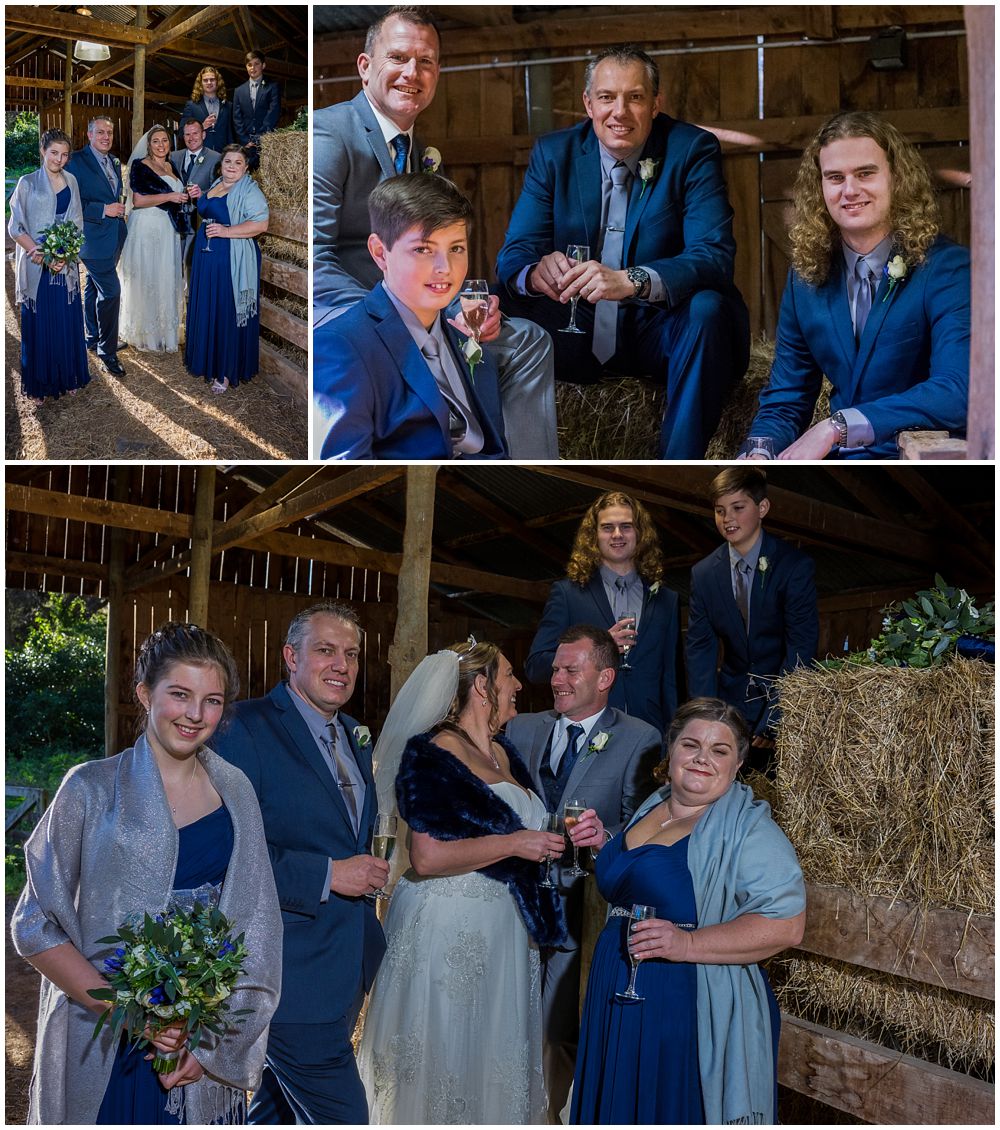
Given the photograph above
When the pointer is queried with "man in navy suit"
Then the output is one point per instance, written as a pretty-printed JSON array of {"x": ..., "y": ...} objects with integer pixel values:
[
  {"x": 390, "y": 377},
  {"x": 256, "y": 107},
  {"x": 876, "y": 300},
  {"x": 99, "y": 176},
  {"x": 208, "y": 105},
  {"x": 615, "y": 581},
  {"x": 359, "y": 143},
  {"x": 644, "y": 194},
  {"x": 756, "y": 595},
  {"x": 586, "y": 749},
  {"x": 310, "y": 766}
]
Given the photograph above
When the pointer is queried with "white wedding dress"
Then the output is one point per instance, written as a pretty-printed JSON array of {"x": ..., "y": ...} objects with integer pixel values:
[
  {"x": 152, "y": 283},
  {"x": 453, "y": 1032}
]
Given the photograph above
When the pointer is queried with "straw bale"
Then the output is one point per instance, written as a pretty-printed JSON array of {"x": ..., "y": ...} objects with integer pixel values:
[
  {"x": 284, "y": 159},
  {"x": 288, "y": 250},
  {"x": 886, "y": 779}
]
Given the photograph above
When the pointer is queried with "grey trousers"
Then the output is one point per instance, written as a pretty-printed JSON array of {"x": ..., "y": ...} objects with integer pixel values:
[{"x": 525, "y": 361}]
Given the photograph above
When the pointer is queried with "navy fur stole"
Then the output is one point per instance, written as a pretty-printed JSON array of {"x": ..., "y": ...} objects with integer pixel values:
[
  {"x": 147, "y": 183},
  {"x": 438, "y": 795}
]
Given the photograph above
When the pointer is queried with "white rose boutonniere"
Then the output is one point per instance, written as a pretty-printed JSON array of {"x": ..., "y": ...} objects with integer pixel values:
[
  {"x": 895, "y": 271},
  {"x": 763, "y": 565},
  {"x": 200, "y": 159},
  {"x": 430, "y": 162},
  {"x": 654, "y": 588},
  {"x": 472, "y": 351},
  {"x": 597, "y": 743},
  {"x": 363, "y": 736},
  {"x": 647, "y": 172}
]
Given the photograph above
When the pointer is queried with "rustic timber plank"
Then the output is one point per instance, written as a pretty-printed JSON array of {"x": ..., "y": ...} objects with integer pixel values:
[
  {"x": 284, "y": 323},
  {"x": 931, "y": 445},
  {"x": 286, "y": 275},
  {"x": 55, "y": 566},
  {"x": 281, "y": 374},
  {"x": 52, "y": 504},
  {"x": 288, "y": 225}
]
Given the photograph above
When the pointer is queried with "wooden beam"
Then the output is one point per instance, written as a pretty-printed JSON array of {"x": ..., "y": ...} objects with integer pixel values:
[
  {"x": 66, "y": 25},
  {"x": 285, "y": 275},
  {"x": 202, "y": 20},
  {"x": 289, "y": 483},
  {"x": 139, "y": 81},
  {"x": 284, "y": 323},
  {"x": 283, "y": 375},
  {"x": 933, "y": 503},
  {"x": 116, "y": 617},
  {"x": 201, "y": 545},
  {"x": 504, "y": 521},
  {"x": 288, "y": 225},
  {"x": 947, "y": 948},
  {"x": 928, "y": 445},
  {"x": 104, "y": 512},
  {"x": 875, "y": 1084},
  {"x": 67, "y": 88},
  {"x": 55, "y": 566},
  {"x": 409, "y": 643}
]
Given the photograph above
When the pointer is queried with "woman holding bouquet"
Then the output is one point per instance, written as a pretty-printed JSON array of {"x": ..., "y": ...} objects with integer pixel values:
[
  {"x": 223, "y": 326},
  {"x": 150, "y": 266},
  {"x": 53, "y": 346},
  {"x": 120, "y": 835}
]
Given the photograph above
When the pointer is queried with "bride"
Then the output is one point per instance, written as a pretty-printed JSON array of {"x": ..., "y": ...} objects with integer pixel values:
[
  {"x": 453, "y": 1032},
  {"x": 150, "y": 266}
]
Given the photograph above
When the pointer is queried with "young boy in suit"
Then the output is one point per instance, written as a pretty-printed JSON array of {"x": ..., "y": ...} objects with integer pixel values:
[
  {"x": 756, "y": 595},
  {"x": 392, "y": 378}
]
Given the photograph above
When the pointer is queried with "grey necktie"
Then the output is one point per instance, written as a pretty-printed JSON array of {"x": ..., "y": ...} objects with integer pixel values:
[
  {"x": 458, "y": 420},
  {"x": 863, "y": 303},
  {"x": 253, "y": 94},
  {"x": 742, "y": 590},
  {"x": 109, "y": 172},
  {"x": 606, "y": 313},
  {"x": 621, "y": 597},
  {"x": 343, "y": 776}
]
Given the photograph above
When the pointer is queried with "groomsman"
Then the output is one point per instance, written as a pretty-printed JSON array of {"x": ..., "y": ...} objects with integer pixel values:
[
  {"x": 586, "y": 749},
  {"x": 310, "y": 766},
  {"x": 756, "y": 595},
  {"x": 195, "y": 164},
  {"x": 359, "y": 143},
  {"x": 256, "y": 107},
  {"x": 99, "y": 176},
  {"x": 643, "y": 195}
]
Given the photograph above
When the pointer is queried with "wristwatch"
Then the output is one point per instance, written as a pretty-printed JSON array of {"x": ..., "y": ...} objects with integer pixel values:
[
  {"x": 839, "y": 421},
  {"x": 640, "y": 280}
]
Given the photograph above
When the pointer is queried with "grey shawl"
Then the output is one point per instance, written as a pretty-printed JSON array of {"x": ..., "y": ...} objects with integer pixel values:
[
  {"x": 106, "y": 847},
  {"x": 741, "y": 863},
  {"x": 32, "y": 208},
  {"x": 245, "y": 202}
]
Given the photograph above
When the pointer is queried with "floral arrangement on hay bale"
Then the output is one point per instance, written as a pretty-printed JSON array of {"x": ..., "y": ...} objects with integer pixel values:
[{"x": 885, "y": 786}]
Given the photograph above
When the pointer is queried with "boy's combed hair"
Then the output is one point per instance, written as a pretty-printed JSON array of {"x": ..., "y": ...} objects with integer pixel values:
[
  {"x": 426, "y": 201},
  {"x": 739, "y": 480}
]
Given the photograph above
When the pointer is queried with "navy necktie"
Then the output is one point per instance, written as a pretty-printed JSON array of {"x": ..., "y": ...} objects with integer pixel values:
[
  {"x": 554, "y": 784},
  {"x": 401, "y": 145}
]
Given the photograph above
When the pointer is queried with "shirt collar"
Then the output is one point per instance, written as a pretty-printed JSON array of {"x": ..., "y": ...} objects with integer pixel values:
[
  {"x": 389, "y": 128},
  {"x": 609, "y": 160},
  {"x": 101, "y": 157},
  {"x": 588, "y": 724},
  {"x": 751, "y": 556},
  {"x": 609, "y": 577},
  {"x": 417, "y": 330},
  {"x": 876, "y": 258},
  {"x": 318, "y": 723}
]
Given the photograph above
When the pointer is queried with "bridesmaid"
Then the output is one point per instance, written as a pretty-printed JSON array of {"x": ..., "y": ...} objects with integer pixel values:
[
  {"x": 223, "y": 325},
  {"x": 53, "y": 346}
]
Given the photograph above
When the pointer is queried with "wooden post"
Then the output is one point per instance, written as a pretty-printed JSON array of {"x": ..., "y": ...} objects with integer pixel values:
[
  {"x": 139, "y": 84},
  {"x": 201, "y": 545},
  {"x": 409, "y": 645},
  {"x": 68, "y": 94},
  {"x": 116, "y": 618},
  {"x": 979, "y": 28}
]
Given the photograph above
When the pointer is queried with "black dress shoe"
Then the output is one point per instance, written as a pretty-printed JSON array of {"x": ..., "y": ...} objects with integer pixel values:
[
  {"x": 122, "y": 345},
  {"x": 113, "y": 366}
]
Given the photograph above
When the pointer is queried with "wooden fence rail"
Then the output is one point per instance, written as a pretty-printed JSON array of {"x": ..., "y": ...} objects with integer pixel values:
[
  {"x": 280, "y": 371},
  {"x": 31, "y": 799}
]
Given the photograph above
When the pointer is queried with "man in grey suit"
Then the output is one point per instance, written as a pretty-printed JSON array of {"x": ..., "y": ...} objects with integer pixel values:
[
  {"x": 359, "y": 143},
  {"x": 587, "y": 750},
  {"x": 195, "y": 164}
]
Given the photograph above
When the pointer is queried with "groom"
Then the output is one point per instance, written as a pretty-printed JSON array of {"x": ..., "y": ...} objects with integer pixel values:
[
  {"x": 195, "y": 164},
  {"x": 99, "y": 176}
]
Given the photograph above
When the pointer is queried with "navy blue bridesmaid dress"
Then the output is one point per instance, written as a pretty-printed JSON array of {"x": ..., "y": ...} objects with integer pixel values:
[
  {"x": 53, "y": 344},
  {"x": 215, "y": 346},
  {"x": 134, "y": 1096}
]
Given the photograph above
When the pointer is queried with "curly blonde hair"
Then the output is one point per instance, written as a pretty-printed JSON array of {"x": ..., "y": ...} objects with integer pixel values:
[
  {"x": 913, "y": 211},
  {"x": 585, "y": 558},
  {"x": 220, "y": 90}
]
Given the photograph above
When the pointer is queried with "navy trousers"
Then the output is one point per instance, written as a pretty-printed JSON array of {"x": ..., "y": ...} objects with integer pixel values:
[{"x": 101, "y": 303}]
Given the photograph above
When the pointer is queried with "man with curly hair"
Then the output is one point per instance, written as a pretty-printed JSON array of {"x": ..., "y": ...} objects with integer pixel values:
[
  {"x": 210, "y": 105},
  {"x": 615, "y": 581},
  {"x": 877, "y": 300}
]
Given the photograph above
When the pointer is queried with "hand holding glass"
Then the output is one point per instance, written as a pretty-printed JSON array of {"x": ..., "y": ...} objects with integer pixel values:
[
  {"x": 474, "y": 299},
  {"x": 628, "y": 620},
  {"x": 760, "y": 447},
  {"x": 576, "y": 253},
  {"x": 640, "y": 913},
  {"x": 383, "y": 843},
  {"x": 553, "y": 823},
  {"x": 572, "y": 811}
]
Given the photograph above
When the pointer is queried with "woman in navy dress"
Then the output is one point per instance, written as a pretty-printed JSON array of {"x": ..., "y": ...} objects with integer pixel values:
[
  {"x": 727, "y": 892},
  {"x": 122, "y": 835},
  {"x": 223, "y": 325},
  {"x": 53, "y": 346}
]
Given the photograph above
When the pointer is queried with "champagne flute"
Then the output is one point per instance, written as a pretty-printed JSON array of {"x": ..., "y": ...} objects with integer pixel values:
[
  {"x": 383, "y": 842},
  {"x": 576, "y": 253},
  {"x": 474, "y": 299},
  {"x": 553, "y": 823},
  {"x": 572, "y": 811},
  {"x": 629, "y": 620},
  {"x": 761, "y": 447},
  {"x": 640, "y": 913}
]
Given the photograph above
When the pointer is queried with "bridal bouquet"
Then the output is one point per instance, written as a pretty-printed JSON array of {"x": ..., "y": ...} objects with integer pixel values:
[
  {"x": 178, "y": 967},
  {"x": 61, "y": 241}
]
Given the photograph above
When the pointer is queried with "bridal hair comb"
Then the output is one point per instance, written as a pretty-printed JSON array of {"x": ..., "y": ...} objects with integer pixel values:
[{"x": 472, "y": 640}]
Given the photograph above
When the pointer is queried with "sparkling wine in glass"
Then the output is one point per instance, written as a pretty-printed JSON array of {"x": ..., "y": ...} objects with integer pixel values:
[
  {"x": 576, "y": 253},
  {"x": 572, "y": 811},
  {"x": 629, "y": 620},
  {"x": 553, "y": 823},
  {"x": 760, "y": 447},
  {"x": 383, "y": 843},
  {"x": 474, "y": 299},
  {"x": 640, "y": 913}
]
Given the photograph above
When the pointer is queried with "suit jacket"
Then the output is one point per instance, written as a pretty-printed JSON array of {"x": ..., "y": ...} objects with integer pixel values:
[
  {"x": 910, "y": 369},
  {"x": 784, "y": 627},
  {"x": 650, "y": 689},
  {"x": 251, "y": 122},
  {"x": 331, "y": 949},
  {"x": 613, "y": 781},
  {"x": 680, "y": 226},
  {"x": 103, "y": 236},
  {"x": 221, "y": 134},
  {"x": 376, "y": 398},
  {"x": 202, "y": 175},
  {"x": 350, "y": 157}
]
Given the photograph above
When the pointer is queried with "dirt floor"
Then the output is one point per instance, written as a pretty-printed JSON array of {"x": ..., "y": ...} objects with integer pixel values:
[
  {"x": 20, "y": 1014},
  {"x": 157, "y": 411}
]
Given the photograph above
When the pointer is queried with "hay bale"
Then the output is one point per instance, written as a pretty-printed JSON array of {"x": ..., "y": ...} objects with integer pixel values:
[
  {"x": 284, "y": 159},
  {"x": 285, "y": 249}
]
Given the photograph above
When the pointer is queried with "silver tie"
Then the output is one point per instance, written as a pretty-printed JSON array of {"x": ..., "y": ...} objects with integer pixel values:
[{"x": 606, "y": 312}]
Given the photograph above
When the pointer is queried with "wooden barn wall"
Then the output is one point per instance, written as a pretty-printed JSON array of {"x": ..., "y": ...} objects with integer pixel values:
[{"x": 765, "y": 101}]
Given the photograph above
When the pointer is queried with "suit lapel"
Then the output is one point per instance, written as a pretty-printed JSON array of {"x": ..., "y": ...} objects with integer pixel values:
[
  {"x": 838, "y": 313},
  {"x": 876, "y": 317},
  {"x": 587, "y": 169},
  {"x": 373, "y": 134},
  {"x": 723, "y": 577},
  {"x": 595, "y": 587},
  {"x": 302, "y": 744},
  {"x": 586, "y": 759},
  {"x": 654, "y": 148}
]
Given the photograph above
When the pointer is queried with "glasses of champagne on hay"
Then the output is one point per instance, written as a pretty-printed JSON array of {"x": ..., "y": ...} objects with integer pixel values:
[{"x": 383, "y": 843}]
